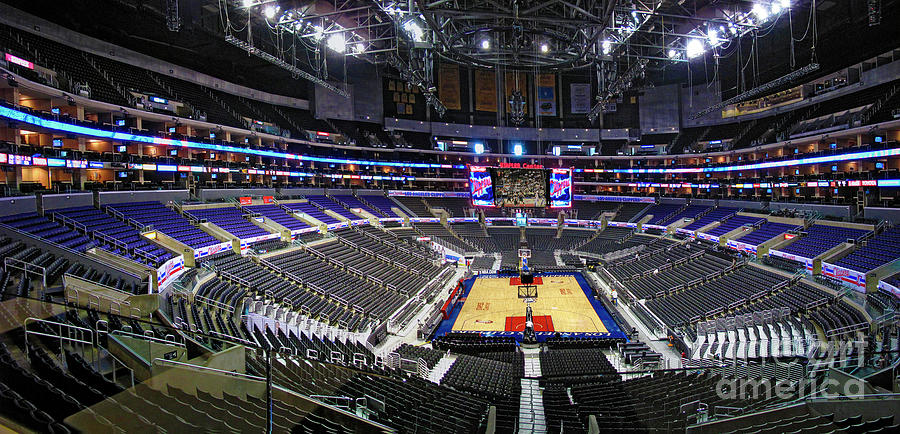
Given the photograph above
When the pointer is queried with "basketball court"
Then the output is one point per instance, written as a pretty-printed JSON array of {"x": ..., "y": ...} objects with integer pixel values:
[{"x": 561, "y": 305}]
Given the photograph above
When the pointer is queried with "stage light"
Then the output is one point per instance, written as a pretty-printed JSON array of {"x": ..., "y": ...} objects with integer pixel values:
[
  {"x": 607, "y": 46},
  {"x": 485, "y": 44},
  {"x": 337, "y": 43},
  {"x": 359, "y": 47},
  {"x": 785, "y": 4},
  {"x": 248, "y": 3},
  {"x": 416, "y": 32},
  {"x": 517, "y": 149},
  {"x": 478, "y": 147},
  {"x": 270, "y": 11},
  {"x": 318, "y": 33},
  {"x": 760, "y": 11},
  {"x": 694, "y": 48},
  {"x": 776, "y": 8},
  {"x": 545, "y": 48},
  {"x": 713, "y": 36},
  {"x": 672, "y": 53}
]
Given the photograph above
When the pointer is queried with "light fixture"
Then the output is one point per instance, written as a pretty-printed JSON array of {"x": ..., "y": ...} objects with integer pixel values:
[
  {"x": 694, "y": 48},
  {"x": 760, "y": 11},
  {"x": 545, "y": 48},
  {"x": 318, "y": 33},
  {"x": 485, "y": 44},
  {"x": 248, "y": 3},
  {"x": 517, "y": 149},
  {"x": 478, "y": 147},
  {"x": 415, "y": 30},
  {"x": 672, "y": 53},
  {"x": 359, "y": 47},
  {"x": 270, "y": 11},
  {"x": 713, "y": 36},
  {"x": 607, "y": 46}
]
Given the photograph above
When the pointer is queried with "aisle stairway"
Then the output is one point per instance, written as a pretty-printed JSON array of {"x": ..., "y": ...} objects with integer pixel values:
[
  {"x": 531, "y": 407},
  {"x": 441, "y": 368}
]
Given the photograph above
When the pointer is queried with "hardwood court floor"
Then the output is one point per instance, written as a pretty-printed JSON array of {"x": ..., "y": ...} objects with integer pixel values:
[{"x": 491, "y": 300}]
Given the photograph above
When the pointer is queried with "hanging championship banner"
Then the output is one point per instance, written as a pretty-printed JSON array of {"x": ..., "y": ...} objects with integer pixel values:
[
  {"x": 546, "y": 97},
  {"x": 448, "y": 86},
  {"x": 580, "y": 97},
  {"x": 485, "y": 91},
  {"x": 510, "y": 87}
]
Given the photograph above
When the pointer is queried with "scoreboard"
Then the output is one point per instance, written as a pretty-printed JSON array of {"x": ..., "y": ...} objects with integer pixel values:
[{"x": 520, "y": 187}]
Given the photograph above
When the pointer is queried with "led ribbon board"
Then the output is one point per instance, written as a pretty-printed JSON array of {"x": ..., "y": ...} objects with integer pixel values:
[
  {"x": 560, "y": 188},
  {"x": 481, "y": 186},
  {"x": 23, "y": 117}
]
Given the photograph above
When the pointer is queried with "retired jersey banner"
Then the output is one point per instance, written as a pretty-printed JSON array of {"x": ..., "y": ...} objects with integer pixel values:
[
  {"x": 546, "y": 94},
  {"x": 509, "y": 82},
  {"x": 580, "y": 98},
  {"x": 448, "y": 86},
  {"x": 485, "y": 91}
]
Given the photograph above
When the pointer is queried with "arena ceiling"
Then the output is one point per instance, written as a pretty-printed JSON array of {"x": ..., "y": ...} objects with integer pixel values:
[{"x": 657, "y": 41}]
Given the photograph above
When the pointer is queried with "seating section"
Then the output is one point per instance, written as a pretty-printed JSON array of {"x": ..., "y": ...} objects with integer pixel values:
[
  {"x": 649, "y": 403},
  {"x": 410, "y": 404},
  {"x": 351, "y": 202},
  {"x": 587, "y": 210},
  {"x": 40, "y": 263},
  {"x": 319, "y": 302},
  {"x": 137, "y": 247},
  {"x": 628, "y": 211},
  {"x": 690, "y": 212},
  {"x": 381, "y": 203},
  {"x": 879, "y": 250},
  {"x": 230, "y": 219},
  {"x": 278, "y": 215},
  {"x": 327, "y": 203},
  {"x": 658, "y": 285},
  {"x": 766, "y": 232},
  {"x": 51, "y": 231},
  {"x": 456, "y": 206},
  {"x": 345, "y": 289},
  {"x": 734, "y": 223},
  {"x": 313, "y": 211},
  {"x": 661, "y": 213},
  {"x": 717, "y": 214},
  {"x": 820, "y": 239},
  {"x": 713, "y": 295},
  {"x": 165, "y": 220},
  {"x": 415, "y": 205},
  {"x": 575, "y": 362}
]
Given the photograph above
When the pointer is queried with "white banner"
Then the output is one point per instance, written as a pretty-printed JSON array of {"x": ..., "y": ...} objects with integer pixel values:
[{"x": 580, "y": 98}]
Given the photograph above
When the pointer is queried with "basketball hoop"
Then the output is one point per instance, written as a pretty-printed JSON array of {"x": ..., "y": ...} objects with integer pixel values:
[{"x": 524, "y": 253}]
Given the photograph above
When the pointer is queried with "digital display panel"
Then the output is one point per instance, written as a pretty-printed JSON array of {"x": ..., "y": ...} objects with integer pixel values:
[
  {"x": 560, "y": 188},
  {"x": 520, "y": 188},
  {"x": 481, "y": 186}
]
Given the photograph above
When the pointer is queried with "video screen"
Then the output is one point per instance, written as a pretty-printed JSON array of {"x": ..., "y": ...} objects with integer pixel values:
[
  {"x": 560, "y": 188},
  {"x": 520, "y": 188},
  {"x": 480, "y": 186}
]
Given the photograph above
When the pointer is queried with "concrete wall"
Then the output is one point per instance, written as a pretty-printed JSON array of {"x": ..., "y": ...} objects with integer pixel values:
[
  {"x": 362, "y": 192},
  {"x": 889, "y": 214},
  {"x": 57, "y": 201},
  {"x": 842, "y": 211},
  {"x": 301, "y": 191},
  {"x": 740, "y": 204},
  {"x": 219, "y": 194},
  {"x": 109, "y": 197},
  {"x": 17, "y": 205}
]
